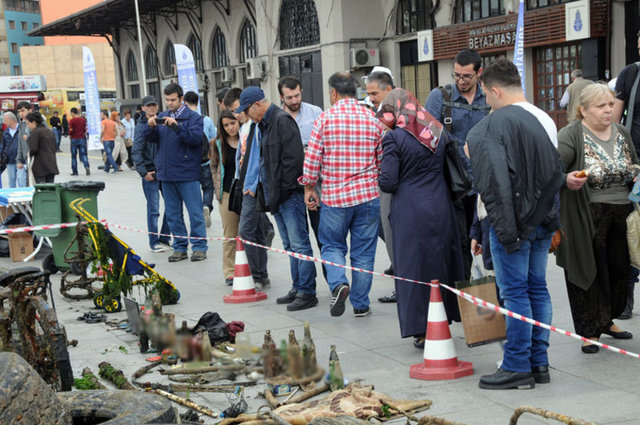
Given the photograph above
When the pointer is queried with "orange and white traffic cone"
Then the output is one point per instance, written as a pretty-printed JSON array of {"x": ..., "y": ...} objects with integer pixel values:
[
  {"x": 244, "y": 289},
  {"x": 440, "y": 361}
]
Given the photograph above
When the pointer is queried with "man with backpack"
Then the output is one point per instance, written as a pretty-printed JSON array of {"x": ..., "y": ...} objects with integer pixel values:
[
  {"x": 627, "y": 106},
  {"x": 459, "y": 107},
  {"x": 210, "y": 133}
]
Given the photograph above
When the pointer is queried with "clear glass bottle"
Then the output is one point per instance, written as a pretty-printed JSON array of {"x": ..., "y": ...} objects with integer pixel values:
[{"x": 336, "y": 378}]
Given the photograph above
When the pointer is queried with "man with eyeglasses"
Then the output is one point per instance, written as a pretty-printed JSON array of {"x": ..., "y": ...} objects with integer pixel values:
[{"x": 459, "y": 107}]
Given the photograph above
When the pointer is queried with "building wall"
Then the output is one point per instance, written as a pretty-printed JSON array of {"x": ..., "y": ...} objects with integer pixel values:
[
  {"x": 18, "y": 34},
  {"x": 5, "y": 68},
  {"x": 62, "y": 64}
]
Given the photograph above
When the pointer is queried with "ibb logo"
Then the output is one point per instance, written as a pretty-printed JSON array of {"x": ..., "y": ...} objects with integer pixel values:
[
  {"x": 577, "y": 22},
  {"x": 425, "y": 48}
]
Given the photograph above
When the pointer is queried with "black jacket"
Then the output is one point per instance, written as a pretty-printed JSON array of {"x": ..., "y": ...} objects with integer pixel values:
[
  {"x": 518, "y": 174},
  {"x": 283, "y": 156},
  {"x": 143, "y": 153}
]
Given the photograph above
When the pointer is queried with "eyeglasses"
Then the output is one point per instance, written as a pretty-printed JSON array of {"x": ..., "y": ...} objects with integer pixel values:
[{"x": 465, "y": 77}]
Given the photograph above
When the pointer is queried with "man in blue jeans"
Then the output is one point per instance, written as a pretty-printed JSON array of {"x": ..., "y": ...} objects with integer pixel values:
[
  {"x": 518, "y": 173},
  {"x": 78, "y": 135},
  {"x": 273, "y": 169},
  {"x": 178, "y": 133},
  {"x": 345, "y": 152},
  {"x": 142, "y": 154}
]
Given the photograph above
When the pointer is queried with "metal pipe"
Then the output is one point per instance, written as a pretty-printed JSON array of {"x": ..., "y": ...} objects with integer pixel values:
[{"x": 144, "y": 72}]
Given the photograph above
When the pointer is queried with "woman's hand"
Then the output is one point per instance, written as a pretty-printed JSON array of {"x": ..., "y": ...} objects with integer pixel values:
[{"x": 574, "y": 182}]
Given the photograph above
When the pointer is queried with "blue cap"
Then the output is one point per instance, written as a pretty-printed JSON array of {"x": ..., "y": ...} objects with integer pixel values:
[{"x": 248, "y": 96}]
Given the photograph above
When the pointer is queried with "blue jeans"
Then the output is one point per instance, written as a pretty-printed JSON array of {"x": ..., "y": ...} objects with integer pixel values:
[
  {"x": 108, "y": 148},
  {"x": 79, "y": 147},
  {"x": 175, "y": 194},
  {"x": 521, "y": 279},
  {"x": 207, "y": 186},
  {"x": 252, "y": 228},
  {"x": 363, "y": 222},
  {"x": 11, "y": 173},
  {"x": 21, "y": 176},
  {"x": 291, "y": 219},
  {"x": 151, "y": 191},
  {"x": 58, "y": 135}
]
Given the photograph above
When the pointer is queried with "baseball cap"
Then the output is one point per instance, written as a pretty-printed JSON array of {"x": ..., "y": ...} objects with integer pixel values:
[
  {"x": 149, "y": 100},
  {"x": 248, "y": 96},
  {"x": 382, "y": 69}
]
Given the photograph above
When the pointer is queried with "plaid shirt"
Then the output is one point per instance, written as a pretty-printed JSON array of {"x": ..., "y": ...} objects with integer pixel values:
[{"x": 345, "y": 151}]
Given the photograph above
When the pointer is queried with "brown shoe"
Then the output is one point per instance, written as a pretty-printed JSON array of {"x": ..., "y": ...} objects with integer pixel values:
[{"x": 178, "y": 256}]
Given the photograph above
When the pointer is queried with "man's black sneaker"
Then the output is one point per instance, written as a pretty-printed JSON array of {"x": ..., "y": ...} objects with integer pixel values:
[
  {"x": 389, "y": 298},
  {"x": 541, "y": 374},
  {"x": 339, "y": 296},
  {"x": 262, "y": 283},
  {"x": 228, "y": 281},
  {"x": 507, "y": 380},
  {"x": 198, "y": 256},
  {"x": 361, "y": 312},
  {"x": 291, "y": 295},
  {"x": 302, "y": 302},
  {"x": 178, "y": 256}
]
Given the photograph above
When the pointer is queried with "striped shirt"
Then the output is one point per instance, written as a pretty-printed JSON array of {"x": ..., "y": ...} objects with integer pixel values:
[{"x": 345, "y": 151}]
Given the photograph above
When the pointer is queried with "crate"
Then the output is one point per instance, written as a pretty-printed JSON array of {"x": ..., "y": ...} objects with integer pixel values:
[{"x": 20, "y": 244}]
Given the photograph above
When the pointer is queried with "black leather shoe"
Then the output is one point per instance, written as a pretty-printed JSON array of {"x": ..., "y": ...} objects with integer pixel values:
[
  {"x": 302, "y": 302},
  {"x": 389, "y": 271},
  {"x": 619, "y": 335},
  {"x": 419, "y": 342},
  {"x": 389, "y": 298},
  {"x": 590, "y": 349},
  {"x": 291, "y": 295},
  {"x": 541, "y": 374},
  {"x": 507, "y": 380}
]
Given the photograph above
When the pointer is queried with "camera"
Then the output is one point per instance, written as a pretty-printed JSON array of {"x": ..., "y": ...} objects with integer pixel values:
[{"x": 160, "y": 121}]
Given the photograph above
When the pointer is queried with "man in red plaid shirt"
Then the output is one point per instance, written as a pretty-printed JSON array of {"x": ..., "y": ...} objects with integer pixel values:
[{"x": 345, "y": 152}]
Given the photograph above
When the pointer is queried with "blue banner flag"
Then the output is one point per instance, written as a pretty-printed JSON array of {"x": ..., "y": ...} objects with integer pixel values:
[
  {"x": 518, "y": 54},
  {"x": 91, "y": 99},
  {"x": 186, "y": 69}
]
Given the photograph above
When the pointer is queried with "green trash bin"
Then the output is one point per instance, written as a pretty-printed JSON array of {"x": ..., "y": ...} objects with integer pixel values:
[{"x": 51, "y": 206}]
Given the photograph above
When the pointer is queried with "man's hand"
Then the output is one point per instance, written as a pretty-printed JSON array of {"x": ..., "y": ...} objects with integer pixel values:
[
  {"x": 250, "y": 193},
  {"x": 575, "y": 183},
  {"x": 476, "y": 248},
  {"x": 168, "y": 121},
  {"x": 150, "y": 176},
  {"x": 152, "y": 121},
  {"x": 311, "y": 198},
  {"x": 20, "y": 165}
]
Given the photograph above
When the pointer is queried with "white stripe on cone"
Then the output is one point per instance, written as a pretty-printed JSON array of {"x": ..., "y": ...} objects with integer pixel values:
[
  {"x": 439, "y": 350},
  {"x": 436, "y": 313},
  {"x": 243, "y": 283}
]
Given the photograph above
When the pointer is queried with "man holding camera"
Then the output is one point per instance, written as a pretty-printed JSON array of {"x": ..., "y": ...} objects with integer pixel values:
[{"x": 178, "y": 133}]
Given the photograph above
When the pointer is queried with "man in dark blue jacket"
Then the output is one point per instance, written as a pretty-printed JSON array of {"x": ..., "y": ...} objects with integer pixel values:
[
  {"x": 143, "y": 154},
  {"x": 9, "y": 149},
  {"x": 178, "y": 133}
]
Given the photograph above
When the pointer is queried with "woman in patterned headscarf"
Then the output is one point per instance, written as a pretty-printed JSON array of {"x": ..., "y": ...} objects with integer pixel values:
[{"x": 422, "y": 217}]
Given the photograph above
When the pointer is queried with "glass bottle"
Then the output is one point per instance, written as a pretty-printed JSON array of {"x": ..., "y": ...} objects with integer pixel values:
[
  {"x": 294, "y": 356},
  {"x": 336, "y": 378},
  {"x": 310, "y": 363}
]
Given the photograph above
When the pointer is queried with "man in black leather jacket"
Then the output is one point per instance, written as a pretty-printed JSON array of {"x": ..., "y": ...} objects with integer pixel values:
[{"x": 518, "y": 173}]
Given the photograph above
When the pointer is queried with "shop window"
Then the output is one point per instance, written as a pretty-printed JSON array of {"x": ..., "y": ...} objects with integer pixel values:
[
  {"x": 150, "y": 63},
  {"x": 169, "y": 60},
  {"x": 132, "y": 67},
  {"x": 248, "y": 46},
  {"x": 220, "y": 57},
  {"x": 196, "y": 49},
  {"x": 298, "y": 24},
  {"x": 486, "y": 60},
  {"x": 412, "y": 16},
  {"x": 536, "y": 4},
  {"x": 472, "y": 10},
  {"x": 417, "y": 77}
]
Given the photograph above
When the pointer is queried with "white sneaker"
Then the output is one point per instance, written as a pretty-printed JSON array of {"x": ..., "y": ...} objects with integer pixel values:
[
  {"x": 207, "y": 217},
  {"x": 160, "y": 247}
]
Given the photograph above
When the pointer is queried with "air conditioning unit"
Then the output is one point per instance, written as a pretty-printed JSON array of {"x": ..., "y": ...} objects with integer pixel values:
[
  {"x": 254, "y": 69},
  {"x": 227, "y": 75},
  {"x": 361, "y": 57},
  {"x": 203, "y": 81}
]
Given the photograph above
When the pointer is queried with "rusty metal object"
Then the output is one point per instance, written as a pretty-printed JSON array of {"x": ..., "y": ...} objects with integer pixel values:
[
  {"x": 547, "y": 415},
  {"x": 283, "y": 379},
  {"x": 87, "y": 374},
  {"x": 188, "y": 403},
  {"x": 145, "y": 369},
  {"x": 72, "y": 343},
  {"x": 115, "y": 376},
  {"x": 79, "y": 260},
  {"x": 195, "y": 371}
]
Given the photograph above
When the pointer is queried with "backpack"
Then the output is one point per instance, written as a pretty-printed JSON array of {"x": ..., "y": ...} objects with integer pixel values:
[{"x": 448, "y": 105}]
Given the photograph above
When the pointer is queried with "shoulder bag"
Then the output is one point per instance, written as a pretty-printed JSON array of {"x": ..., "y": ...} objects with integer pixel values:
[{"x": 455, "y": 173}]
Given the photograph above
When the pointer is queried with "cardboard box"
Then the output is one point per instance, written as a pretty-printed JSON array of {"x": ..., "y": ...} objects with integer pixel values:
[
  {"x": 20, "y": 245},
  {"x": 480, "y": 325}
]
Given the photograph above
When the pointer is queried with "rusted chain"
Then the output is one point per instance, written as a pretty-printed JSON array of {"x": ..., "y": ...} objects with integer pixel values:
[{"x": 547, "y": 415}]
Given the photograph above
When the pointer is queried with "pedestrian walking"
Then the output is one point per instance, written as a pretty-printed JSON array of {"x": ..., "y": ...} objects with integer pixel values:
[
  {"x": 120, "y": 154},
  {"x": 107, "y": 137},
  {"x": 56, "y": 126},
  {"x": 78, "y": 133},
  {"x": 9, "y": 148},
  {"x": 42, "y": 148}
]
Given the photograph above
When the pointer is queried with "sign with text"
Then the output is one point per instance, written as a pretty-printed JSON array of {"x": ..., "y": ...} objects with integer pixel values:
[
  {"x": 92, "y": 99},
  {"x": 186, "y": 69},
  {"x": 425, "y": 46},
  {"x": 501, "y": 35},
  {"x": 577, "y": 20},
  {"x": 22, "y": 83},
  {"x": 518, "y": 53}
]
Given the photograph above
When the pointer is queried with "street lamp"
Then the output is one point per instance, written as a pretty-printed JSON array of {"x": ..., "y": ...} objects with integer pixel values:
[{"x": 144, "y": 73}]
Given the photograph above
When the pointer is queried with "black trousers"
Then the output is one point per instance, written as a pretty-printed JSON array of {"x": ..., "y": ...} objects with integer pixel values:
[{"x": 465, "y": 209}]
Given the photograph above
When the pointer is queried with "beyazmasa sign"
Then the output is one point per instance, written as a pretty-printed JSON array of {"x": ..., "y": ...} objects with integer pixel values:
[{"x": 492, "y": 36}]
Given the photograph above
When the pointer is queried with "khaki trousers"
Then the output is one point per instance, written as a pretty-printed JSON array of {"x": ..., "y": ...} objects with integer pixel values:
[{"x": 229, "y": 230}]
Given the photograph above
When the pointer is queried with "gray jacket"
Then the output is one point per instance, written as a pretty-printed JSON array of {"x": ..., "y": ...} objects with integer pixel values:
[{"x": 23, "y": 143}]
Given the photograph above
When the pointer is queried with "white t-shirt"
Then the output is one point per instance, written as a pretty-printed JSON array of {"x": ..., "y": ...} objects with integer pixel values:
[{"x": 545, "y": 120}]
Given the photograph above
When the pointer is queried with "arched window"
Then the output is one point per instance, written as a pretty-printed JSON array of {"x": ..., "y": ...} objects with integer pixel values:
[
  {"x": 151, "y": 63},
  {"x": 169, "y": 60},
  {"x": 220, "y": 58},
  {"x": 132, "y": 67},
  {"x": 196, "y": 49},
  {"x": 412, "y": 16},
  {"x": 298, "y": 24},
  {"x": 248, "y": 47}
]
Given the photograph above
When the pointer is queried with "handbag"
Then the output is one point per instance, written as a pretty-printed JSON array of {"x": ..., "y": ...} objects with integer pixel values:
[
  {"x": 235, "y": 196},
  {"x": 480, "y": 325},
  {"x": 455, "y": 173},
  {"x": 556, "y": 240},
  {"x": 633, "y": 236}
]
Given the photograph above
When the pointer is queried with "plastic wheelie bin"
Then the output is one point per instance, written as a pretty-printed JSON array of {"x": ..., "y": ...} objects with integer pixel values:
[{"x": 51, "y": 206}]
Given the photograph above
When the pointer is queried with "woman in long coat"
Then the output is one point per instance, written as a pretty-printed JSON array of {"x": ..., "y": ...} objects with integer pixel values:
[
  {"x": 42, "y": 148},
  {"x": 425, "y": 239}
]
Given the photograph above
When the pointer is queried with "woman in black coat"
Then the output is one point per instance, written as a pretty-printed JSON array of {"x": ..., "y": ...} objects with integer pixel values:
[
  {"x": 42, "y": 147},
  {"x": 425, "y": 235}
]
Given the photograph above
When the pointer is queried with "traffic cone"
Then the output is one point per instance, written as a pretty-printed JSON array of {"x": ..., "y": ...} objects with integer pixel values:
[
  {"x": 244, "y": 290},
  {"x": 440, "y": 361}
]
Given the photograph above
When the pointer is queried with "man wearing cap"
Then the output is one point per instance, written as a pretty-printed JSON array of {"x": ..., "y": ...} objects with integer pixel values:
[
  {"x": 142, "y": 154},
  {"x": 273, "y": 163},
  {"x": 178, "y": 133}
]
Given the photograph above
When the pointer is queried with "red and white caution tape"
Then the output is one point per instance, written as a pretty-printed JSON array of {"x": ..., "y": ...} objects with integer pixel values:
[{"x": 32, "y": 228}]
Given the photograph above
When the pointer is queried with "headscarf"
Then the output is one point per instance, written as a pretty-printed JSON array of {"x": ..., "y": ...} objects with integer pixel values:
[{"x": 401, "y": 109}]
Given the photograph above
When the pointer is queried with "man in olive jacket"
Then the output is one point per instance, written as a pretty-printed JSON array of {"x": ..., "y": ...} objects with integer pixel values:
[{"x": 277, "y": 138}]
